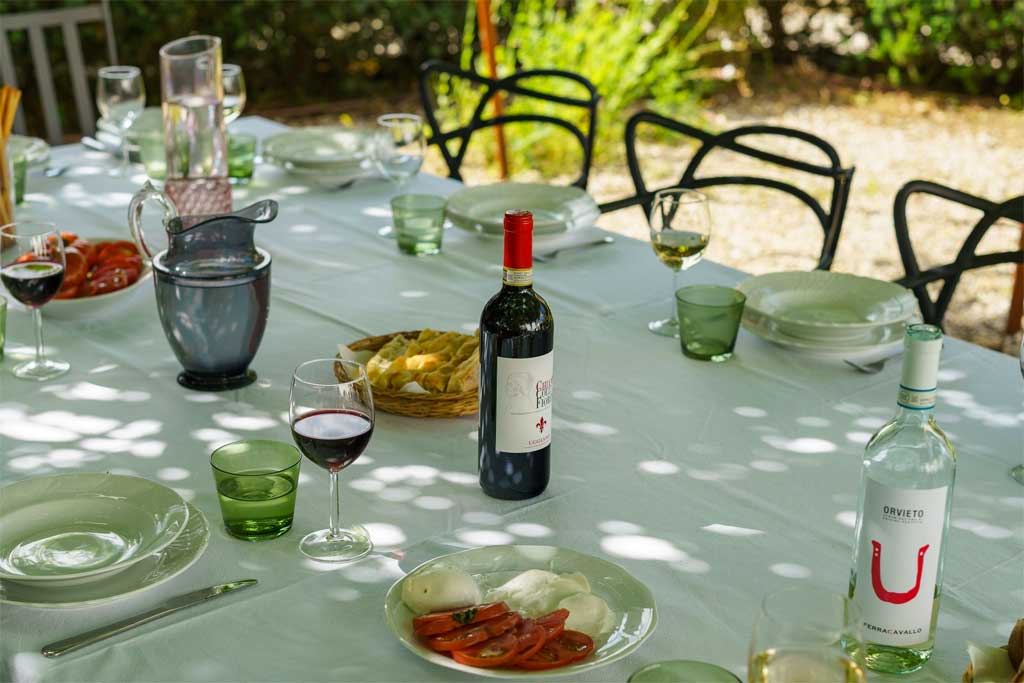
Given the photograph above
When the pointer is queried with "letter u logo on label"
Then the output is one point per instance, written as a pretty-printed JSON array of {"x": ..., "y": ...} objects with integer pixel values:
[{"x": 876, "y": 576}]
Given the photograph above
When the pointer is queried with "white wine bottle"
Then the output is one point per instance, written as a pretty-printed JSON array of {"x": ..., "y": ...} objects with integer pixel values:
[{"x": 906, "y": 493}]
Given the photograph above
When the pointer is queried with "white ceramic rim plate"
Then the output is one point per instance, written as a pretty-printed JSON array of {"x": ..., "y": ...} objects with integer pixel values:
[
  {"x": 319, "y": 147},
  {"x": 607, "y": 579},
  {"x": 36, "y": 150},
  {"x": 156, "y": 569},
  {"x": 888, "y": 341},
  {"x": 164, "y": 512},
  {"x": 886, "y": 303},
  {"x": 92, "y": 307},
  {"x": 480, "y": 209}
]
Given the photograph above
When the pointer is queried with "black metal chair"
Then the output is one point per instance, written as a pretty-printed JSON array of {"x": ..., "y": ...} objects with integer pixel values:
[
  {"x": 831, "y": 220},
  {"x": 918, "y": 280},
  {"x": 510, "y": 87}
]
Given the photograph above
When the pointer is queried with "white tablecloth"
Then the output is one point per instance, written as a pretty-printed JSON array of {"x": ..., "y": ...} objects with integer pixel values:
[{"x": 712, "y": 483}]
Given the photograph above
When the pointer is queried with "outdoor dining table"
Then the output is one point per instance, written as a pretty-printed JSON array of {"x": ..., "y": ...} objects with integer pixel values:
[{"x": 713, "y": 483}]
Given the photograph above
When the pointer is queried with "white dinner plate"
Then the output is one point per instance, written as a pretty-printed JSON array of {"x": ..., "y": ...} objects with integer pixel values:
[
  {"x": 481, "y": 209},
  {"x": 333, "y": 147},
  {"x": 630, "y": 600},
  {"x": 68, "y": 529},
  {"x": 35, "y": 150},
  {"x": 881, "y": 343},
  {"x": 163, "y": 566},
  {"x": 835, "y": 308}
]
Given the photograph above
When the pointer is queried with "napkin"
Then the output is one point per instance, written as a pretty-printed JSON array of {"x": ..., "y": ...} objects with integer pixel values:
[
  {"x": 991, "y": 664},
  {"x": 413, "y": 388}
]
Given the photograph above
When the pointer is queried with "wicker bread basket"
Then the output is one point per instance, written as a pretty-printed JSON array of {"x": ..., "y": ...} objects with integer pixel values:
[{"x": 415, "y": 405}]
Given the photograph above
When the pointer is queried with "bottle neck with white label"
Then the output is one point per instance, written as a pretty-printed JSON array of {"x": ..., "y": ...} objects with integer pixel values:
[
  {"x": 518, "y": 270},
  {"x": 916, "y": 398}
]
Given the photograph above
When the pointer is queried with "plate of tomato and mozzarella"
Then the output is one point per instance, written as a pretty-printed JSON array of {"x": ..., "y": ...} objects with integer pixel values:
[
  {"x": 504, "y": 632},
  {"x": 100, "y": 275}
]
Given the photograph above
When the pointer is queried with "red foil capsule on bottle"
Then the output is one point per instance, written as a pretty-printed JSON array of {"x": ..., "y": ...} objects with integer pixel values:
[{"x": 518, "y": 239}]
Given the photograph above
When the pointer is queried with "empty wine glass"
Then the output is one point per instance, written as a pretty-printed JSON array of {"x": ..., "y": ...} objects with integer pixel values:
[
  {"x": 331, "y": 413},
  {"x": 234, "y": 92},
  {"x": 680, "y": 230},
  {"x": 806, "y": 634},
  {"x": 400, "y": 146},
  {"x": 121, "y": 97},
  {"x": 32, "y": 269}
]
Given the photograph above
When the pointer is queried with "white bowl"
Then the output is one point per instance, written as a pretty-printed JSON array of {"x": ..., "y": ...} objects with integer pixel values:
[{"x": 69, "y": 529}]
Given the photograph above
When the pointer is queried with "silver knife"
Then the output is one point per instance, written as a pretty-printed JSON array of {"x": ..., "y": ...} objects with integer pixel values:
[
  {"x": 93, "y": 144},
  {"x": 170, "y": 606}
]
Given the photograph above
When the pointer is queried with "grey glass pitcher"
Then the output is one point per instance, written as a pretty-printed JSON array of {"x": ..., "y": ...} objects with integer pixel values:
[{"x": 212, "y": 289}]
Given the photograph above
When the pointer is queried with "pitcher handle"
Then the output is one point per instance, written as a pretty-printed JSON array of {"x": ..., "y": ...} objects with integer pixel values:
[{"x": 147, "y": 193}]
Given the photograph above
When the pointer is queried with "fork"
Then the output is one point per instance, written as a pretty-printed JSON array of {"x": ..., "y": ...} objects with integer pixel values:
[{"x": 553, "y": 254}]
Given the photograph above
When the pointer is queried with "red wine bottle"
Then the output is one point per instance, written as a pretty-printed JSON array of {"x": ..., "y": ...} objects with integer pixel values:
[{"x": 517, "y": 338}]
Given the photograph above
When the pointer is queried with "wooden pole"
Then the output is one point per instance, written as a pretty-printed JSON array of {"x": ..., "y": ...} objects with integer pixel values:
[
  {"x": 488, "y": 37},
  {"x": 1013, "y": 320}
]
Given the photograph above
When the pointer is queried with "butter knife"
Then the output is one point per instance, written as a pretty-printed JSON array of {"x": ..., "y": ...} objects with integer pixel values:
[{"x": 170, "y": 606}]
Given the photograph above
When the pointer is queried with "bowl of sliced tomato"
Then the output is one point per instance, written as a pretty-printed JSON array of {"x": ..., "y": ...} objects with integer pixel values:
[{"x": 100, "y": 277}]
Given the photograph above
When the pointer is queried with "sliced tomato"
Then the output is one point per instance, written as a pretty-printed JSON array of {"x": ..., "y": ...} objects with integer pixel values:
[
  {"x": 467, "y": 636},
  {"x": 121, "y": 260},
  {"x": 105, "y": 282},
  {"x": 442, "y": 622},
  {"x": 75, "y": 267},
  {"x": 564, "y": 649},
  {"x": 129, "y": 272},
  {"x": 87, "y": 248},
  {"x": 553, "y": 623},
  {"x": 498, "y": 651},
  {"x": 577, "y": 643},
  {"x": 68, "y": 238},
  {"x": 530, "y": 637},
  {"x": 69, "y": 290},
  {"x": 120, "y": 247}
]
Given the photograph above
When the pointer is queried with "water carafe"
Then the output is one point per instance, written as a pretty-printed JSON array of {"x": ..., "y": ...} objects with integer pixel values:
[{"x": 193, "y": 119}]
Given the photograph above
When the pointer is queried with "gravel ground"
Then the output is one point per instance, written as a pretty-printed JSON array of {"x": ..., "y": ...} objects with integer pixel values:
[{"x": 890, "y": 137}]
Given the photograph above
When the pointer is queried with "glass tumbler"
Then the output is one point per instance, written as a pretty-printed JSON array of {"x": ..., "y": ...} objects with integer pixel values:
[
  {"x": 256, "y": 481},
  {"x": 709, "y": 320}
]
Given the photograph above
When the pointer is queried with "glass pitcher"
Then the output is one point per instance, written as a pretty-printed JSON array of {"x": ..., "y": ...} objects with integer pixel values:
[{"x": 193, "y": 116}]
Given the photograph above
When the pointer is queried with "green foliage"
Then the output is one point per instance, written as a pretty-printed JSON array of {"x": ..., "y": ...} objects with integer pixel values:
[
  {"x": 973, "y": 44},
  {"x": 631, "y": 50},
  {"x": 293, "y": 52}
]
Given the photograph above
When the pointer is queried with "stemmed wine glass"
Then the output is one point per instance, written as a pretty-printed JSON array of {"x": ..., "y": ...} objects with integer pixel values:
[
  {"x": 398, "y": 150},
  {"x": 680, "y": 230},
  {"x": 234, "y": 91},
  {"x": 121, "y": 97},
  {"x": 32, "y": 269},
  {"x": 806, "y": 634},
  {"x": 1017, "y": 472},
  {"x": 331, "y": 413}
]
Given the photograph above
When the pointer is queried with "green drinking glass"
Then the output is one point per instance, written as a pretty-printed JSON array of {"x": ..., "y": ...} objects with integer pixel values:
[
  {"x": 20, "y": 165},
  {"x": 709, "y": 319},
  {"x": 419, "y": 223},
  {"x": 3, "y": 324},
  {"x": 241, "y": 158},
  {"x": 256, "y": 482},
  {"x": 153, "y": 154}
]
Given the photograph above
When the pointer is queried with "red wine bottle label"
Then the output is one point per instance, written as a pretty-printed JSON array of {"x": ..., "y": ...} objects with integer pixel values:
[
  {"x": 523, "y": 411},
  {"x": 518, "y": 277},
  {"x": 898, "y": 561}
]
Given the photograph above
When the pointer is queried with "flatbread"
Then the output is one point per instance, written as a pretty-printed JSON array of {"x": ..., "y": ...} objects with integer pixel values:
[{"x": 438, "y": 361}]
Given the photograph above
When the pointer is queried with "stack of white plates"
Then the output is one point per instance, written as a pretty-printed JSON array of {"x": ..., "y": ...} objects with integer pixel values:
[
  {"x": 78, "y": 539},
  {"x": 328, "y": 155},
  {"x": 828, "y": 314},
  {"x": 555, "y": 208}
]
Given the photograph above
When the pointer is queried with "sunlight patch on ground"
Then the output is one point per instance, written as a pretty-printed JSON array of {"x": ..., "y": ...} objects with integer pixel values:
[
  {"x": 481, "y": 517},
  {"x": 173, "y": 473},
  {"x": 244, "y": 422},
  {"x": 812, "y": 421},
  {"x": 460, "y": 478},
  {"x": 769, "y": 465},
  {"x": 481, "y": 537},
  {"x": 618, "y": 526},
  {"x": 529, "y": 530},
  {"x": 859, "y": 438},
  {"x": 385, "y": 535},
  {"x": 750, "y": 411},
  {"x": 397, "y": 494},
  {"x": 847, "y": 518},
  {"x": 982, "y": 529},
  {"x": 804, "y": 444},
  {"x": 137, "y": 429},
  {"x": 434, "y": 503}
]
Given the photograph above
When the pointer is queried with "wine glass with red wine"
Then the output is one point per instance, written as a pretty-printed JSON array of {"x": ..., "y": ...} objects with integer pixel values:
[
  {"x": 331, "y": 413},
  {"x": 32, "y": 269}
]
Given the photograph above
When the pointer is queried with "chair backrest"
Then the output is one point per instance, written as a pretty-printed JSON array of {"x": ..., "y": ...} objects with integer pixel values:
[
  {"x": 831, "y": 219},
  {"x": 966, "y": 259},
  {"x": 35, "y": 23},
  {"x": 507, "y": 87}
]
